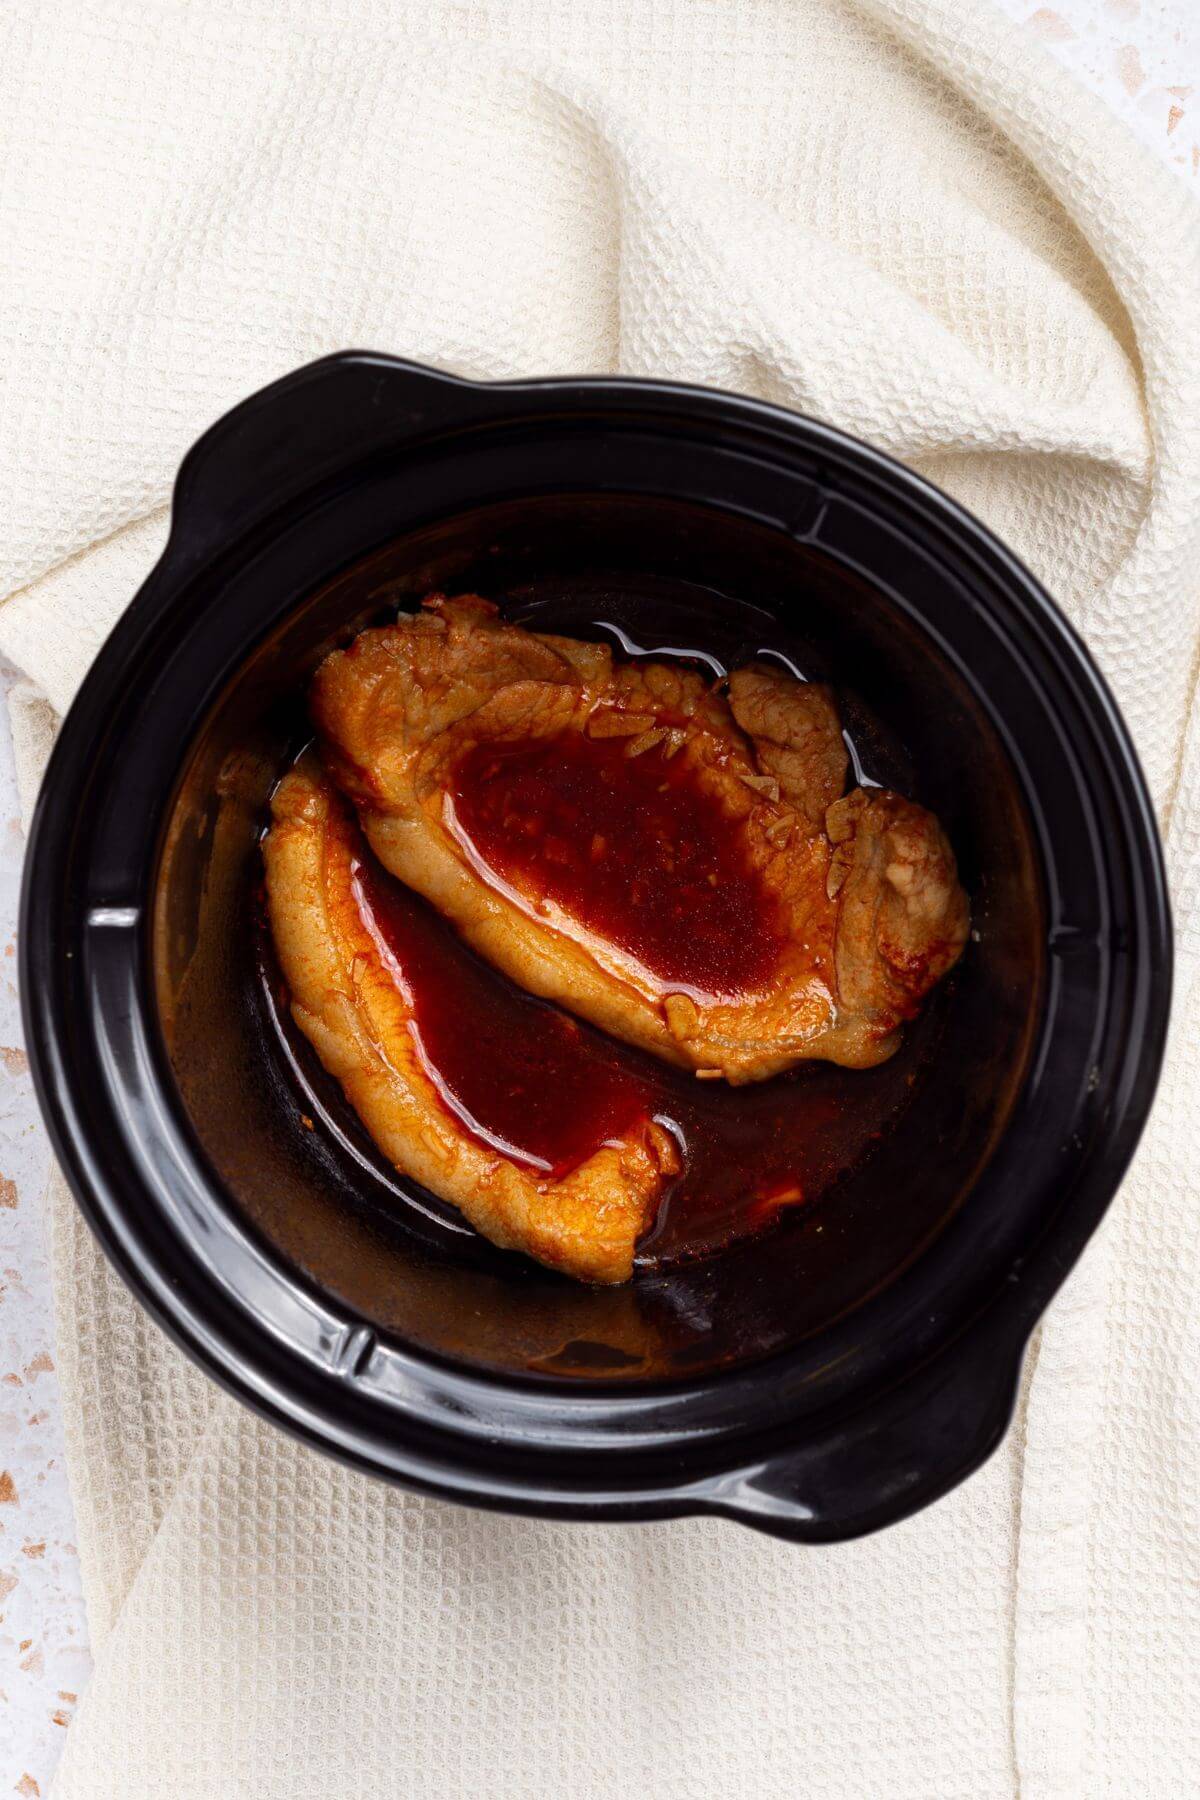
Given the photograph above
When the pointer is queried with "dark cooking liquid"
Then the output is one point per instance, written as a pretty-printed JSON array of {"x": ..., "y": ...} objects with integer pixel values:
[
  {"x": 522, "y": 1075},
  {"x": 628, "y": 846}
]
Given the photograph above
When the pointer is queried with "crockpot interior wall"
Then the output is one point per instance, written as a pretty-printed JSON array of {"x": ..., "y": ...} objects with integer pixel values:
[{"x": 316, "y": 1188}]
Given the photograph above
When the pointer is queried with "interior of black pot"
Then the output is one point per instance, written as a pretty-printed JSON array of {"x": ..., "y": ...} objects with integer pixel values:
[{"x": 645, "y": 575}]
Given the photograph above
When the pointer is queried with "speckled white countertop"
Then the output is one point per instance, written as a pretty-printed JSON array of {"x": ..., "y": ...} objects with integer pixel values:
[
  {"x": 1143, "y": 56},
  {"x": 43, "y": 1637}
]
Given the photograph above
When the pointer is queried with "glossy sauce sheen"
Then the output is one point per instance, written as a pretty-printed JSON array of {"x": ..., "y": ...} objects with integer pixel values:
[
  {"x": 630, "y": 847},
  {"x": 520, "y": 1074}
]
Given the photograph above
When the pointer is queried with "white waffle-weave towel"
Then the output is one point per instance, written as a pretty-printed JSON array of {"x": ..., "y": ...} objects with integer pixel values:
[{"x": 896, "y": 214}]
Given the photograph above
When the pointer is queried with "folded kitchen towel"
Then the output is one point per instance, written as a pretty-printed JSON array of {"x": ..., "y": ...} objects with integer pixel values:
[{"x": 897, "y": 215}]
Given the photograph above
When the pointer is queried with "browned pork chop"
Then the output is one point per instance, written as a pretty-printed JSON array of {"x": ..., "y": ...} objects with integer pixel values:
[
  {"x": 672, "y": 863},
  {"x": 587, "y": 1166}
]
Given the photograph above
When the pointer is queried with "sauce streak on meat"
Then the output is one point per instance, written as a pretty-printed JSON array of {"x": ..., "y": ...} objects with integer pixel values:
[
  {"x": 518, "y": 1073},
  {"x": 628, "y": 846}
]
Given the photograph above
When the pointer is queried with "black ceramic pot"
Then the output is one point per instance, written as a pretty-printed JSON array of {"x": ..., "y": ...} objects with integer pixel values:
[{"x": 820, "y": 1381}]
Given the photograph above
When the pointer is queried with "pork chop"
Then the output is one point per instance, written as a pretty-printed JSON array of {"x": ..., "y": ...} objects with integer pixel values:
[{"x": 672, "y": 862}]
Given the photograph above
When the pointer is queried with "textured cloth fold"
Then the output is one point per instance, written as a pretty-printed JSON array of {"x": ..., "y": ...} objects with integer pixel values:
[{"x": 898, "y": 215}]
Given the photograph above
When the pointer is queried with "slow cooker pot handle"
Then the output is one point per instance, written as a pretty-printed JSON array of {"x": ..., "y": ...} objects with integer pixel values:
[
  {"x": 885, "y": 1461},
  {"x": 299, "y": 434}
]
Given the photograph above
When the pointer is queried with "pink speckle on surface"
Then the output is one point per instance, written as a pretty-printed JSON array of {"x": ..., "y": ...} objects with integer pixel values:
[
  {"x": 1050, "y": 25},
  {"x": 1130, "y": 70},
  {"x": 1173, "y": 118}
]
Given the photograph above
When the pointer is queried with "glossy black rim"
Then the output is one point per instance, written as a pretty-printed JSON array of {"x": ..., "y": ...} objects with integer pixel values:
[{"x": 741, "y": 1443}]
